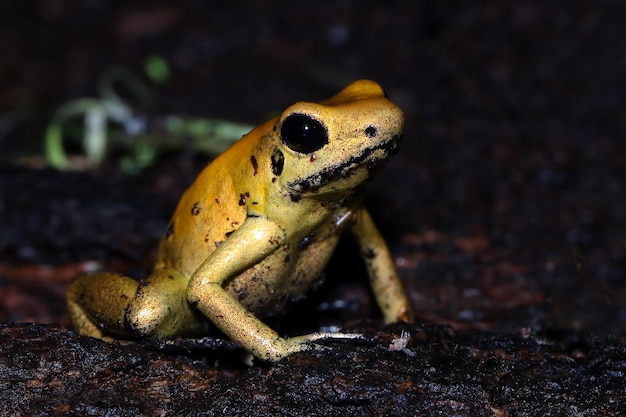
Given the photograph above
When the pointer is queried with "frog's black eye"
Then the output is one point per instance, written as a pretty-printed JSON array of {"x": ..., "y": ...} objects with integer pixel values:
[{"x": 302, "y": 133}]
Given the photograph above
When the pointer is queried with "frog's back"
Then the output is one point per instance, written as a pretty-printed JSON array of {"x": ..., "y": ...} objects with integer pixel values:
[{"x": 210, "y": 210}]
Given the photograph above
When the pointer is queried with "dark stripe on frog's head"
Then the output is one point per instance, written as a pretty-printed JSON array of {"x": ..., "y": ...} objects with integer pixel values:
[{"x": 319, "y": 179}]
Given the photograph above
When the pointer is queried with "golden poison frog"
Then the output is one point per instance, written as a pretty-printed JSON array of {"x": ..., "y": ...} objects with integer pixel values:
[{"x": 256, "y": 228}]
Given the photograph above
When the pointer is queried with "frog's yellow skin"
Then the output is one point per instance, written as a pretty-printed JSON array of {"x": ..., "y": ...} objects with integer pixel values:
[{"x": 256, "y": 229}]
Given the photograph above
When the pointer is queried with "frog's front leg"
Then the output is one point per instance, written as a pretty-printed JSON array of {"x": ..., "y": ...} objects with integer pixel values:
[
  {"x": 255, "y": 240},
  {"x": 386, "y": 284},
  {"x": 104, "y": 304}
]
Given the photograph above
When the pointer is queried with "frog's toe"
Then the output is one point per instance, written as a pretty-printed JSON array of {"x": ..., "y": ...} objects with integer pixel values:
[
  {"x": 333, "y": 335},
  {"x": 310, "y": 341}
]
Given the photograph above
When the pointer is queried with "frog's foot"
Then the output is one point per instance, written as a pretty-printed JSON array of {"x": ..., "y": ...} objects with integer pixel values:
[
  {"x": 285, "y": 347},
  {"x": 83, "y": 324},
  {"x": 328, "y": 336}
]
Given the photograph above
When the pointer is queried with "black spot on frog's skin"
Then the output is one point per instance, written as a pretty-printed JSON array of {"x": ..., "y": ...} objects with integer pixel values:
[
  {"x": 371, "y": 131},
  {"x": 170, "y": 230},
  {"x": 287, "y": 259},
  {"x": 369, "y": 253},
  {"x": 255, "y": 165},
  {"x": 170, "y": 277},
  {"x": 295, "y": 197},
  {"x": 278, "y": 162},
  {"x": 217, "y": 201},
  {"x": 195, "y": 210},
  {"x": 242, "y": 200}
]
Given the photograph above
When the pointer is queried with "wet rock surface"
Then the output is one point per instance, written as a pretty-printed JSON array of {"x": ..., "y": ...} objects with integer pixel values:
[{"x": 46, "y": 370}]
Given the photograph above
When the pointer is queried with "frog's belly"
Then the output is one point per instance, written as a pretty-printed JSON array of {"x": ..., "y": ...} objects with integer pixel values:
[{"x": 282, "y": 278}]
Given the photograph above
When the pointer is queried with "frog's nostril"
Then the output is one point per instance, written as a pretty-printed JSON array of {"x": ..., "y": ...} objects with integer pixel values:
[{"x": 371, "y": 131}]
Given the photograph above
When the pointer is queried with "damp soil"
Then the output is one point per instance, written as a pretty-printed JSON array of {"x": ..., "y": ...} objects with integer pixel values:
[{"x": 504, "y": 207}]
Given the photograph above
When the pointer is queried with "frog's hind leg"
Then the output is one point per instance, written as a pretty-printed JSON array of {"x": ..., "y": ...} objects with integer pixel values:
[
  {"x": 97, "y": 303},
  {"x": 106, "y": 306}
]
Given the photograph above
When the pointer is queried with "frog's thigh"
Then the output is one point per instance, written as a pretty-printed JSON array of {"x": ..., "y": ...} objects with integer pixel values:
[
  {"x": 384, "y": 280},
  {"x": 120, "y": 305}
]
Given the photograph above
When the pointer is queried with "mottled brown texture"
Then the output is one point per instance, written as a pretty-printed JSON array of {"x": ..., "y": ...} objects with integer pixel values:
[{"x": 46, "y": 370}]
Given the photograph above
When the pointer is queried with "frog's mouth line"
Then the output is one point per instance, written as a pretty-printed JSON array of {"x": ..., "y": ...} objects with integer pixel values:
[{"x": 314, "y": 182}]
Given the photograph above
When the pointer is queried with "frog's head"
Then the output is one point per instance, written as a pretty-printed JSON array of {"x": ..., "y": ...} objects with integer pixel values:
[{"x": 330, "y": 149}]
